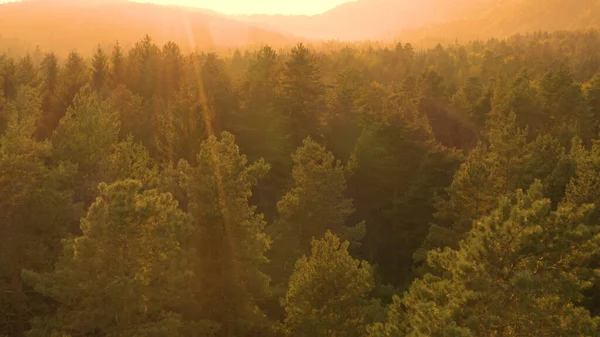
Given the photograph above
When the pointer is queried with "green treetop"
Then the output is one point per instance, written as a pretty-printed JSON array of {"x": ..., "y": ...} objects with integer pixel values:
[
  {"x": 124, "y": 273},
  {"x": 329, "y": 292}
]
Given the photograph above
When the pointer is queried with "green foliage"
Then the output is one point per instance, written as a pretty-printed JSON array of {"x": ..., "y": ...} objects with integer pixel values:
[
  {"x": 314, "y": 205},
  {"x": 121, "y": 276},
  {"x": 329, "y": 292},
  {"x": 262, "y": 129},
  {"x": 100, "y": 70},
  {"x": 182, "y": 126},
  {"x": 35, "y": 211},
  {"x": 3, "y": 114},
  {"x": 85, "y": 137},
  {"x": 520, "y": 271},
  {"x": 230, "y": 240},
  {"x": 402, "y": 120},
  {"x": 117, "y": 62},
  {"x": 397, "y": 168},
  {"x": 49, "y": 73},
  {"x": 303, "y": 93},
  {"x": 489, "y": 171},
  {"x": 71, "y": 79},
  {"x": 592, "y": 95},
  {"x": 26, "y": 72}
]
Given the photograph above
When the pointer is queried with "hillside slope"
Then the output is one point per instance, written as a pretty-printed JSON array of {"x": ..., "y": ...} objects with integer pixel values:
[
  {"x": 508, "y": 17},
  {"x": 63, "y": 25},
  {"x": 368, "y": 19}
]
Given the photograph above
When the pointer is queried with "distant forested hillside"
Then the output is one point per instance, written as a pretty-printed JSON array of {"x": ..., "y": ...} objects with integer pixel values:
[
  {"x": 503, "y": 18},
  {"x": 369, "y": 19},
  {"x": 65, "y": 25}
]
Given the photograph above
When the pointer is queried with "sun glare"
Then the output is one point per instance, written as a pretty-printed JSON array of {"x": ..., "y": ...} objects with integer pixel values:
[{"x": 244, "y": 7}]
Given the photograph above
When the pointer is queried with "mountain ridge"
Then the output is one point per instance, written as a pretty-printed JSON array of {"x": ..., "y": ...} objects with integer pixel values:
[{"x": 62, "y": 25}]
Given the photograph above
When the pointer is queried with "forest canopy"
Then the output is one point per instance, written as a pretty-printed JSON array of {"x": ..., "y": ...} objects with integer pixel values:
[{"x": 348, "y": 190}]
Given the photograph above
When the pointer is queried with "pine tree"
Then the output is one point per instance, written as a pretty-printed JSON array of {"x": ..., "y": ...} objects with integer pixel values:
[
  {"x": 50, "y": 72},
  {"x": 329, "y": 292},
  {"x": 127, "y": 271},
  {"x": 231, "y": 241},
  {"x": 563, "y": 105},
  {"x": 303, "y": 93},
  {"x": 130, "y": 108},
  {"x": 473, "y": 99},
  {"x": 10, "y": 83},
  {"x": 262, "y": 129},
  {"x": 314, "y": 205},
  {"x": 592, "y": 96},
  {"x": 3, "y": 113},
  {"x": 117, "y": 62},
  {"x": 182, "y": 126},
  {"x": 142, "y": 67},
  {"x": 35, "y": 211},
  {"x": 171, "y": 72},
  {"x": 72, "y": 78},
  {"x": 397, "y": 168},
  {"x": 343, "y": 122},
  {"x": 85, "y": 138},
  {"x": 27, "y": 72},
  {"x": 218, "y": 97},
  {"x": 100, "y": 75},
  {"x": 521, "y": 271},
  {"x": 489, "y": 171},
  {"x": 581, "y": 190},
  {"x": 130, "y": 160}
]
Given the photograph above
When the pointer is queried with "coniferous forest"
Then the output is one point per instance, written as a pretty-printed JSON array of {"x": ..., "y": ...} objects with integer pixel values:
[{"x": 310, "y": 191}]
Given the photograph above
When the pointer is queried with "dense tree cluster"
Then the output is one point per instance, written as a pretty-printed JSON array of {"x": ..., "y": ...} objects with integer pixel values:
[{"x": 344, "y": 191}]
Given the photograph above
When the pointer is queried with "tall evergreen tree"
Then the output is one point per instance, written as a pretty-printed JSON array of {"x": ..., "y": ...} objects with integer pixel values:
[
  {"x": 172, "y": 68},
  {"x": 10, "y": 83},
  {"x": 127, "y": 271},
  {"x": 85, "y": 137},
  {"x": 315, "y": 204},
  {"x": 100, "y": 71},
  {"x": 489, "y": 171},
  {"x": 230, "y": 240},
  {"x": 72, "y": 78},
  {"x": 117, "y": 62},
  {"x": 142, "y": 67},
  {"x": 303, "y": 93},
  {"x": 27, "y": 72},
  {"x": 182, "y": 126},
  {"x": 262, "y": 129},
  {"x": 592, "y": 96},
  {"x": 519, "y": 272},
  {"x": 397, "y": 168},
  {"x": 36, "y": 210},
  {"x": 50, "y": 72},
  {"x": 329, "y": 292}
]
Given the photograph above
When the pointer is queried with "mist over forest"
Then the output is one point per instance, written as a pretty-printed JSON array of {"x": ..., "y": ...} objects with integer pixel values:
[{"x": 388, "y": 168}]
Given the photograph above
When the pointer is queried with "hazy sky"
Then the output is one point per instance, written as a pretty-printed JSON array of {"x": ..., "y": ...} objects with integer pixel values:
[
  {"x": 258, "y": 6},
  {"x": 252, "y": 6}
]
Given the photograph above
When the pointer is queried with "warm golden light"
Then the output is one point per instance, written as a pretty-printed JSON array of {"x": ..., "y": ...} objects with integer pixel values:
[
  {"x": 233, "y": 7},
  {"x": 241, "y": 7}
]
